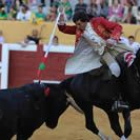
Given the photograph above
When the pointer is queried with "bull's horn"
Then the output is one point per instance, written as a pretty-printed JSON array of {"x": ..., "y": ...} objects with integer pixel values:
[{"x": 73, "y": 103}]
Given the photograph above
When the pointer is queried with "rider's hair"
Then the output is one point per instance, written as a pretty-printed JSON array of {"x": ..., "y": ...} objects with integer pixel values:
[
  {"x": 131, "y": 36},
  {"x": 80, "y": 15}
]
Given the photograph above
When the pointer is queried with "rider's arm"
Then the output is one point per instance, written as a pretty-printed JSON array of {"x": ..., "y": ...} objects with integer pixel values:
[
  {"x": 94, "y": 39},
  {"x": 67, "y": 29}
]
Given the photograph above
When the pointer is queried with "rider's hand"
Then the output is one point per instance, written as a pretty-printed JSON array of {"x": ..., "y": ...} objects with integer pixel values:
[
  {"x": 116, "y": 36},
  {"x": 62, "y": 19},
  {"x": 111, "y": 42}
]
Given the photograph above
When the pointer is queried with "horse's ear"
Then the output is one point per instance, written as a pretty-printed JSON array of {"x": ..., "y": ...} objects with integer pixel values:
[{"x": 47, "y": 91}]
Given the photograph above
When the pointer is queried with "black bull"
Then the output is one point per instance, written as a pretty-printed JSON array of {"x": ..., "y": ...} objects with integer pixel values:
[{"x": 24, "y": 109}]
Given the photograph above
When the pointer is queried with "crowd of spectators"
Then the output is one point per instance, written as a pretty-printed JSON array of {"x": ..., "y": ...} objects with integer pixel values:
[{"x": 124, "y": 11}]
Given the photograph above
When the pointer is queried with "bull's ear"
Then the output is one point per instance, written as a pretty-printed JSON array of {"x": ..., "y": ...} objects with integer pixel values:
[{"x": 47, "y": 91}]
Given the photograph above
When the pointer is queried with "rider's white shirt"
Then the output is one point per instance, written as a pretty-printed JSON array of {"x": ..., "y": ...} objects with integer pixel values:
[
  {"x": 92, "y": 37},
  {"x": 87, "y": 53},
  {"x": 135, "y": 46},
  {"x": 124, "y": 40}
]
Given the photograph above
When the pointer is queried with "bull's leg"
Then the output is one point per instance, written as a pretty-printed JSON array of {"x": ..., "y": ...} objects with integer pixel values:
[
  {"x": 21, "y": 136},
  {"x": 24, "y": 133},
  {"x": 90, "y": 124},
  {"x": 127, "y": 123},
  {"x": 114, "y": 122},
  {"x": 5, "y": 136}
]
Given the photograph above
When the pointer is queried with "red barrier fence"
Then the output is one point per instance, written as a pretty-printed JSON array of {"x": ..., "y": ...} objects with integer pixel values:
[{"x": 23, "y": 66}]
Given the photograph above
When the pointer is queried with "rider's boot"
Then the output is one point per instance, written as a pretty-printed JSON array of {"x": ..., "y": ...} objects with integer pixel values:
[{"x": 119, "y": 105}]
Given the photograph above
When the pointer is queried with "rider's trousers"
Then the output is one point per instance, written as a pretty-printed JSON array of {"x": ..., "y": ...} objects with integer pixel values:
[{"x": 112, "y": 64}]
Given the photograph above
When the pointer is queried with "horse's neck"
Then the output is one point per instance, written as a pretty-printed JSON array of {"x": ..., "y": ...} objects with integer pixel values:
[
  {"x": 137, "y": 61},
  {"x": 130, "y": 79},
  {"x": 131, "y": 85}
]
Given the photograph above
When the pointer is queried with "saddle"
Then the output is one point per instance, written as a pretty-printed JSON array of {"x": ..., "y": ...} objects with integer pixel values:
[{"x": 103, "y": 72}]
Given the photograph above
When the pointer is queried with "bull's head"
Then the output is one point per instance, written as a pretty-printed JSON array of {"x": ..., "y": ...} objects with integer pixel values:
[
  {"x": 55, "y": 104},
  {"x": 57, "y": 101}
]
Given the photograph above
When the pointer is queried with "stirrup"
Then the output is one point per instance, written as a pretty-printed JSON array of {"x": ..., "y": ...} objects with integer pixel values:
[{"x": 119, "y": 106}]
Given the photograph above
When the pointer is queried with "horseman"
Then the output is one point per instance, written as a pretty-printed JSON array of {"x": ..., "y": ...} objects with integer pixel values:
[
  {"x": 135, "y": 45},
  {"x": 95, "y": 40}
]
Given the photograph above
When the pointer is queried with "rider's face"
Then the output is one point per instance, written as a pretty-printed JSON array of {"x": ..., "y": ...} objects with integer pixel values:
[
  {"x": 81, "y": 25},
  {"x": 131, "y": 40}
]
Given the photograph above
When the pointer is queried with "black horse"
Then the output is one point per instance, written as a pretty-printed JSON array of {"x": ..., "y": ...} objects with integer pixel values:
[
  {"x": 88, "y": 91},
  {"x": 130, "y": 89}
]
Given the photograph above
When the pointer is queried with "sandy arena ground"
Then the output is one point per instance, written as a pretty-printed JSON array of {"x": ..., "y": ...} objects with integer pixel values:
[{"x": 72, "y": 127}]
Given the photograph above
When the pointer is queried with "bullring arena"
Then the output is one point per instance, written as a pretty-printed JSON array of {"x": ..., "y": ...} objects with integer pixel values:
[
  {"x": 71, "y": 127},
  {"x": 22, "y": 67}
]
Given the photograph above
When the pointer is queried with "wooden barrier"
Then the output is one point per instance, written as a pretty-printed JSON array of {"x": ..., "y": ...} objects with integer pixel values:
[{"x": 19, "y": 65}]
